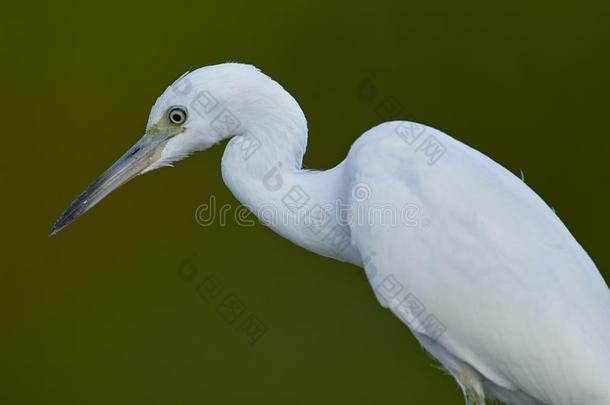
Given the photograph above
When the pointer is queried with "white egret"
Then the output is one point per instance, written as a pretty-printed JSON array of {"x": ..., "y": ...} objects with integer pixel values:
[{"x": 481, "y": 270}]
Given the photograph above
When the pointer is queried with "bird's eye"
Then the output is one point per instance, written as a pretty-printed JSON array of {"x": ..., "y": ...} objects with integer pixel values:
[{"x": 177, "y": 115}]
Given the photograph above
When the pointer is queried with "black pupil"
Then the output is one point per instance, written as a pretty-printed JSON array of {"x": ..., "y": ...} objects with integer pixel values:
[{"x": 176, "y": 117}]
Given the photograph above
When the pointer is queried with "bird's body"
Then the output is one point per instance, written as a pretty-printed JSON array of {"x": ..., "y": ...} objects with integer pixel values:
[
  {"x": 481, "y": 270},
  {"x": 516, "y": 306}
]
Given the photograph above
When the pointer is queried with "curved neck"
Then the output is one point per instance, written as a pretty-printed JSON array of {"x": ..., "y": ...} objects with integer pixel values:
[{"x": 262, "y": 168}]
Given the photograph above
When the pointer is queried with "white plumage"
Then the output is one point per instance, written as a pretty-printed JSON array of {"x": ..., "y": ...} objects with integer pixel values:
[
  {"x": 527, "y": 314},
  {"x": 480, "y": 269}
]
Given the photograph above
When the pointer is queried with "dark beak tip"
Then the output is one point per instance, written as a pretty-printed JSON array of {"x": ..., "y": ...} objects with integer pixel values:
[
  {"x": 64, "y": 220},
  {"x": 54, "y": 229},
  {"x": 124, "y": 169}
]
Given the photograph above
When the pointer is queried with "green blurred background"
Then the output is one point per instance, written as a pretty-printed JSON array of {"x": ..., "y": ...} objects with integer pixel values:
[{"x": 101, "y": 314}]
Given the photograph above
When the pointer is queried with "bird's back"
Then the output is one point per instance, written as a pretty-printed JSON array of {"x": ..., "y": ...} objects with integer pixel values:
[{"x": 479, "y": 267}]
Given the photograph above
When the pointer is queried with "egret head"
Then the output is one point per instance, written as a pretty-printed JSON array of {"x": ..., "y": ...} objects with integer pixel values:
[{"x": 189, "y": 116}]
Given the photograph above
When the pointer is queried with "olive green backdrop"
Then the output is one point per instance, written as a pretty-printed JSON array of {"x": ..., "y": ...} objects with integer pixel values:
[{"x": 111, "y": 309}]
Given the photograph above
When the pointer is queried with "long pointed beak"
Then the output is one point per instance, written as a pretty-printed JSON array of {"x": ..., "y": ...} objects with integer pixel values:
[{"x": 133, "y": 162}]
